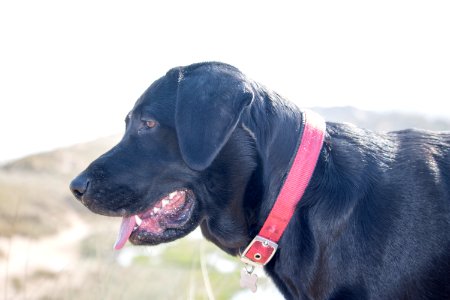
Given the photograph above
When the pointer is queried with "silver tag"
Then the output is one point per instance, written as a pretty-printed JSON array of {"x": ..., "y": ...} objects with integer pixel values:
[{"x": 248, "y": 280}]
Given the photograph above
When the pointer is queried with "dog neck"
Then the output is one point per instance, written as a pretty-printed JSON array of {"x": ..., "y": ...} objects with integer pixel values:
[
  {"x": 262, "y": 248},
  {"x": 276, "y": 126}
]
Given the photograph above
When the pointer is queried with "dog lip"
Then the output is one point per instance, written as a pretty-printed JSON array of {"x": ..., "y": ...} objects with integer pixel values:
[
  {"x": 168, "y": 204},
  {"x": 122, "y": 212},
  {"x": 141, "y": 211}
]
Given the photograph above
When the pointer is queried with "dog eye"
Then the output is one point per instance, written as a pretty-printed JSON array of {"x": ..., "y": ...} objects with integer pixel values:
[{"x": 151, "y": 123}]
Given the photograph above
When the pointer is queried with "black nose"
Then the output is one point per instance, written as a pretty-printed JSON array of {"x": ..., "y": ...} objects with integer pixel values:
[{"x": 79, "y": 186}]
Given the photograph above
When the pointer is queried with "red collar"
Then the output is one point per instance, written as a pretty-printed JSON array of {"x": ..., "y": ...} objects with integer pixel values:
[{"x": 264, "y": 245}]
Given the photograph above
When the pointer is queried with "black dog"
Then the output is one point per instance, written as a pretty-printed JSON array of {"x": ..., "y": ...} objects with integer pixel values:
[{"x": 206, "y": 146}]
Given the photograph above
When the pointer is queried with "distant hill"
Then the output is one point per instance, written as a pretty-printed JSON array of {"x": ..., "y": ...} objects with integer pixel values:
[
  {"x": 64, "y": 161},
  {"x": 380, "y": 121},
  {"x": 34, "y": 192}
]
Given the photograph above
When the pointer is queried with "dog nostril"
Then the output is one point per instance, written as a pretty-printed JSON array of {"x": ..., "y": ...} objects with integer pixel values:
[
  {"x": 77, "y": 193},
  {"x": 79, "y": 186}
]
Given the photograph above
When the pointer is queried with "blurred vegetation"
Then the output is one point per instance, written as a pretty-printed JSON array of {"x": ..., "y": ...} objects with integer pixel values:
[{"x": 37, "y": 211}]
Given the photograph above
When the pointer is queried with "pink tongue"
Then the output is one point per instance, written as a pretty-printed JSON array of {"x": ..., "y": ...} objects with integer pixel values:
[{"x": 126, "y": 228}]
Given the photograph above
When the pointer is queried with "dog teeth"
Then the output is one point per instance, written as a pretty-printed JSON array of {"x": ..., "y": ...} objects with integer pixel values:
[
  {"x": 138, "y": 221},
  {"x": 156, "y": 209},
  {"x": 164, "y": 202},
  {"x": 171, "y": 195}
]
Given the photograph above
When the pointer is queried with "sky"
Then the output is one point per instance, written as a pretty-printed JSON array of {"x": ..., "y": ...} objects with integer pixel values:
[{"x": 71, "y": 70}]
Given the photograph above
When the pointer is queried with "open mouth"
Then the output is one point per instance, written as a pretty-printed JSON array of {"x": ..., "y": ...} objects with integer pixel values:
[{"x": 173, "y": 211}]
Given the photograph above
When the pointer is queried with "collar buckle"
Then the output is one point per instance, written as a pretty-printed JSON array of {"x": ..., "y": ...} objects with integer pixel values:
[{"x": 259, "y": 252}]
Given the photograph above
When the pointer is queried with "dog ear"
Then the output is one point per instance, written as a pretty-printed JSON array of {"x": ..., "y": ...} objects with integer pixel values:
[{"x": 210, "y": 100}]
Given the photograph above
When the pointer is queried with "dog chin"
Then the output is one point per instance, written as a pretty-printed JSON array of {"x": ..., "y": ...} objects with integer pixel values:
[{"x": 142, "y": 237}]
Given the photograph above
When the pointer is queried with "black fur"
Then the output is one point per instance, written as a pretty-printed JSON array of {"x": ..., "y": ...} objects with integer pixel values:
[{"x": 374, "y": 222}]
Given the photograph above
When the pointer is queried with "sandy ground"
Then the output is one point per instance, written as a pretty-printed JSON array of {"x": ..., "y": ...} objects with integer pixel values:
[
  {"x": 21, "y": 257},
  {"x": 57, "y": 255}
]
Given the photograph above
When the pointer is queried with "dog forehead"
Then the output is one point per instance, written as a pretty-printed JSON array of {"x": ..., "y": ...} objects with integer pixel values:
[
  {"x": 159, "y": 98},
  {"x": 158, "y": 102}
]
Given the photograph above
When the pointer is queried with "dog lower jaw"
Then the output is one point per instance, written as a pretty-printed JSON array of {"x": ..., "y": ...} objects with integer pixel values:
[{"x": 167, "y": 220}]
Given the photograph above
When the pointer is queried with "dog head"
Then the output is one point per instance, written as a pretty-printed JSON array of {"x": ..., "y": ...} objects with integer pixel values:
[{"x": 184, "y": 160}]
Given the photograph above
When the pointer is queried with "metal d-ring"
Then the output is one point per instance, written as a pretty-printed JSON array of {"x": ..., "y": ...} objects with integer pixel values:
[{"x": 252, "y": 268}]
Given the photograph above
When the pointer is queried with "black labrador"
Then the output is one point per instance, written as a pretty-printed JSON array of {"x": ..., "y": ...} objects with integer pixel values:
[{"x": 206, "y": 146}]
